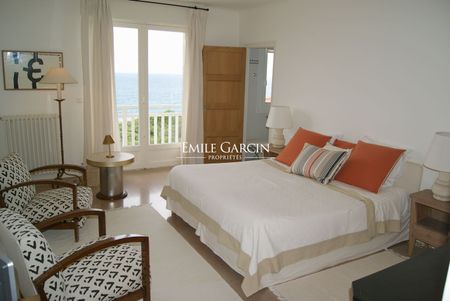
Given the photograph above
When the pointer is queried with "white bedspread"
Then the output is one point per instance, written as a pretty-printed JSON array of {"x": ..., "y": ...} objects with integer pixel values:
[{"x": 270, "y": 211}]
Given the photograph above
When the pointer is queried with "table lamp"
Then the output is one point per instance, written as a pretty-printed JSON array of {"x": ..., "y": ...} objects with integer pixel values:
[
  {"x": 279, "y": 119},
  {"x": 438, "y": 159},
  {"x": 108, "y": 141}
]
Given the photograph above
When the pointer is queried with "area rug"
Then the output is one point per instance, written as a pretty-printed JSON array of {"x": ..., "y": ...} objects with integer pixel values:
[
  {"x": 178, "y": 271},
  {"x": 334, "y": 283}
]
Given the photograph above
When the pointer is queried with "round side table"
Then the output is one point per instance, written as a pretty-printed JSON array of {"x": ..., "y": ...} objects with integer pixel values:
[{"x": 111, "y": 173}]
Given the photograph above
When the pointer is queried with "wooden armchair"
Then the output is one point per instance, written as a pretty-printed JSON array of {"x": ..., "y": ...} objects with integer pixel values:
[
  {"x": 105, "y": 269},
  {"x": 18, "y": 193},
  {"x": 80, "y": 171}
]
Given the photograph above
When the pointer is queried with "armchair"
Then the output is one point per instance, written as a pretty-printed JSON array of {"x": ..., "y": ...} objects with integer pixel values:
[
  {"x": 80, "y": 171},
  {"x": 18, "y": 193},
  {"x": 105, "y": 269}
]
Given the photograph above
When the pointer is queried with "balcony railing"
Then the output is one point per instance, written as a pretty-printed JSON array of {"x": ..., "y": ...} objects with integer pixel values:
[{"x": 163, "y": 127}]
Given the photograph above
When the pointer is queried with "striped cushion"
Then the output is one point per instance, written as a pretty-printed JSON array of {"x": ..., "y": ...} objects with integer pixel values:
[{"x": 319, "y": 163}]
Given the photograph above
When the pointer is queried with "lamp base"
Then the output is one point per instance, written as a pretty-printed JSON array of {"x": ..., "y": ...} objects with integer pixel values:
[
  {"x": 441, "y": 188},
  {"x": 277, "y": 138},
  {"x": 109, "y": 155}
]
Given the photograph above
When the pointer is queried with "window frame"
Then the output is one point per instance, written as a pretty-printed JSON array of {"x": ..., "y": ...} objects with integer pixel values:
[
  {"x": 262, "y": 106},
  {"x": 272, "y": 51},
  {"x": 143, "y": 95}
]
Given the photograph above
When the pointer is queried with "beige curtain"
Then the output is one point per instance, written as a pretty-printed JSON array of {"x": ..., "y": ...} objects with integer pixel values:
[
  {"x": 192, "y": 132},
  {"x": 98, "y": 75}
]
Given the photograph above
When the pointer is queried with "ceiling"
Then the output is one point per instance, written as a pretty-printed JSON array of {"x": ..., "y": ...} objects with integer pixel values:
[{"x": 230, "y": 4}]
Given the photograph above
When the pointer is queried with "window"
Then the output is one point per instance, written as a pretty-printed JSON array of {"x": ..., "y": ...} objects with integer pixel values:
[
  {"x": 269, "y": 74},
  {"x": 127, "y": 83},
  {"x": 149, "y": 84},
  {"x": 165, "y": 85}
]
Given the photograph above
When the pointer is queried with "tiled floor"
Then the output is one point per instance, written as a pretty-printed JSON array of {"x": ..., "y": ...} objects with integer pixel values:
[{"x": 144, "y": 187}]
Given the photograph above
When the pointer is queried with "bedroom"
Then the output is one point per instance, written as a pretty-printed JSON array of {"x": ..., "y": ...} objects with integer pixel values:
[{"x": 352, "y": 68}]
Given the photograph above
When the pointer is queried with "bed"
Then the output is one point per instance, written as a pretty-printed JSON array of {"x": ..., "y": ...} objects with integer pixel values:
[{"x": 271, "y": 226}]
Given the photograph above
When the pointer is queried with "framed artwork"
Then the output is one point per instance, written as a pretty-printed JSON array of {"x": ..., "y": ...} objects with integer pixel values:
[{"x": 22, "y": 70}]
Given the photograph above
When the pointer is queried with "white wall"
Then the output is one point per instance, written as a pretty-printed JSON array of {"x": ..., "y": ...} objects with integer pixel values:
[
  {"x": 377, "y": 68},
  {"x": 222, "y": 28},
  {"x": 54, "y": 25},
  {"x": 46, "y": 25}
]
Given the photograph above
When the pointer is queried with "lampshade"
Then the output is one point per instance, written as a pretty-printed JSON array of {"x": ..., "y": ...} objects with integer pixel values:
[
  {"x": 438, "y": 156},
  {"x": 279, "y": 118},
  {"x": 108, "y": 140},
  {"x": 57, "y": 76}
]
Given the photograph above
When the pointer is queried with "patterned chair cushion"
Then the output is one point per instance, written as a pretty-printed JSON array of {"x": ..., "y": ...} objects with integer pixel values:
[
  {"x": 53, "y": 202},
  {"x": 36, "y": 251},
  {"x": 14, "y": 171},
  {"x": 105, "y": 275}
]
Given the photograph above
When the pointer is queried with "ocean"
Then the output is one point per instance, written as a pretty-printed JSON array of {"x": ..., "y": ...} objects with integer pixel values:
[{"x": 165, "y": 91}]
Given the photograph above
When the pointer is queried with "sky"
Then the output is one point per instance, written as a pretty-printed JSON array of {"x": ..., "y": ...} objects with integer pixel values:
[{"x": 165, "y": 51}]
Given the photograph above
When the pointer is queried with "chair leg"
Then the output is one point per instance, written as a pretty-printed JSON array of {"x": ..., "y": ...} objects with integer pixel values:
[{"x": 76, "y": 231}]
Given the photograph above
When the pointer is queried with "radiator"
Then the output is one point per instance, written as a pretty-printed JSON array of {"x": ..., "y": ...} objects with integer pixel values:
[{"x": 34, "y": 137}]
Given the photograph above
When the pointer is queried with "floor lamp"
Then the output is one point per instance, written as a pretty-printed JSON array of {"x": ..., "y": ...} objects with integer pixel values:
[{"x": 59, "y": 76}]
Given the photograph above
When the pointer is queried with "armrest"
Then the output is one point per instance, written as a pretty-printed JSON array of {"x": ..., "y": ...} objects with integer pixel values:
[
  {"x": 42, "y": 182},
  {"x": 95, "y": 247},
  {"x": 76, "y": 213},
  {"x": 78, "y": 168}
]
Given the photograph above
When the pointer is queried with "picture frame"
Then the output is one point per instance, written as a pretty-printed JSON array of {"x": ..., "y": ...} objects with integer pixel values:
[{"x": 22, "y": 69}]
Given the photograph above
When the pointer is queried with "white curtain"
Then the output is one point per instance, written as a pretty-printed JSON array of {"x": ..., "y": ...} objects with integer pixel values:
[
  {"x": 192, "y": 132},
  {"x": 98, "y": 75}
]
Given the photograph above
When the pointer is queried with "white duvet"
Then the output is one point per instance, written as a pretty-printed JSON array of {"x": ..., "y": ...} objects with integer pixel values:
[{"x": 270, "y": 211}]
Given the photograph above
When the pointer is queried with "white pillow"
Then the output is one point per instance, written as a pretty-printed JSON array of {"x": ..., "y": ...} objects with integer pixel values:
[
  {"x": 334, "y": 137},
  {"x": 398, "y": 167},
  {"x": 330, "y": 146}
]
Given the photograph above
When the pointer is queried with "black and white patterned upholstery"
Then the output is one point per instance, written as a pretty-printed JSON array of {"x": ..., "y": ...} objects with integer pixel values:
[
  {"x": 41, "y": 206},
  {"x": 36, "y": 251},
  {"x": 14, "y": 171},
  {"x": 104, "y": 275},
  {"x": 53, "y": 202}
]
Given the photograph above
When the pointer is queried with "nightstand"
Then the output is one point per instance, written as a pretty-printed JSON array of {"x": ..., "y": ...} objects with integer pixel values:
[
  {"x": 273, "y": 151},
  {"x": 430, "y": 220}
]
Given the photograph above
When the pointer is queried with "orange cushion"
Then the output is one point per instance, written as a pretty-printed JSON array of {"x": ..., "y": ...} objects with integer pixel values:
[
  {"x": 344, "y": 144},
  {"x": 295, "y": 145},
  {"x": 369, "y": 165}
]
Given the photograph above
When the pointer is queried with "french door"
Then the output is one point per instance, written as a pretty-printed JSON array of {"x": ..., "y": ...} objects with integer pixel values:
[{"x": 149, "y": 64}]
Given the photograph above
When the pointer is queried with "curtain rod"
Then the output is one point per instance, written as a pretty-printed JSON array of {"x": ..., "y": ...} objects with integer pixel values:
[{"x": 171, "y": 4}]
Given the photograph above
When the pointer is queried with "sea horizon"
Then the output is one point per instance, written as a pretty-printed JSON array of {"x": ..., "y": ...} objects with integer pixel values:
[{"x": 163, "y": 89}]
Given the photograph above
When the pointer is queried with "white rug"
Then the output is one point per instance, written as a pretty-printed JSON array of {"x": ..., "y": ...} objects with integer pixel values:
[
  {"x": 178, "y": 271},
  {"x": 334, "y": 283}
]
